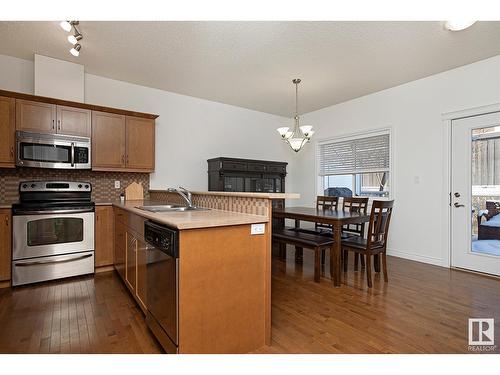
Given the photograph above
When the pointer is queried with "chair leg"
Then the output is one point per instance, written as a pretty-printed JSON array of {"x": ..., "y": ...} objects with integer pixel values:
[
  {"x": 323, "y": 256},
  {"x": 317, "y": 264},
  {"x": 384, "y": 266},
  {"x": 346, "y": 259},
  {"x": 369, "y": 270},
  {"x": 298, "y": 254},
  {"x": 356, "y": 261},
  {"x": 376, "y": 263}
]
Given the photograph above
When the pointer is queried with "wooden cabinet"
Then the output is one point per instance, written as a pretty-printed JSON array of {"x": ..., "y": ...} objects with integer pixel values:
[
  {"x": 108, "y": 141},
  {"x": 104, "y": 238},
  {"x": 73, "y": 121},
  {"x": 131, "y": 261},
  {"x": 35, "y": 116},
  {"x": 7, "y": 131},
  {"x": 140, "y": 146},
  {"x": 141, "y": 284},
  {"x": 5, "y": 244},
  {"x": 50, "y": 118},
  {"x": 122, "y": 143},
  {"x": 120, "y": 244}
]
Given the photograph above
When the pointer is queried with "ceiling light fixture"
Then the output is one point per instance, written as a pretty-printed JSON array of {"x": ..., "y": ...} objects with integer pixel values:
[
  {"x": 458, "y": 25},
  {"x": 74, "y": 39},
  {"x": 75, "y": 51},
  {"x": 67, "y": 25},
  {"x": 300, "y": 135}
]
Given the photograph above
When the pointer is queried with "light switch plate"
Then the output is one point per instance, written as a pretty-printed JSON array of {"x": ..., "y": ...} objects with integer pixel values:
[
  {"x": 117, "y": 184},
  {"x": 258, "y": 229}
]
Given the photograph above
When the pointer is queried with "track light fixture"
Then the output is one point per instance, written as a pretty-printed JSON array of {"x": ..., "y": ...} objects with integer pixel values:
[
  {"x": 74, "y": 39},
  {"x": 75, "y": 51}
]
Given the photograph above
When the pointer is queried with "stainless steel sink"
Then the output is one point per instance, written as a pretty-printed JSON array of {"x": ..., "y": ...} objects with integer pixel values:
[{"x": 170, "y": 208}]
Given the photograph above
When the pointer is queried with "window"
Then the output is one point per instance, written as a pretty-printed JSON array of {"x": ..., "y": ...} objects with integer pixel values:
[{"x": 358, "y": 165}]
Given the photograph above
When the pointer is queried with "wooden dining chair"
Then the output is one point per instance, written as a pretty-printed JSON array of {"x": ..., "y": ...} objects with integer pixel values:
[
  {"x": 354, "y": 204},
  {"x": 376, "y": 241},
  {"x": 325, "y": 203}
]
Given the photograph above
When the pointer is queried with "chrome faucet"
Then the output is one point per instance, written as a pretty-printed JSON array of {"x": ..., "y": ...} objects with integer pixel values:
[{"x": 184, "y": 193}]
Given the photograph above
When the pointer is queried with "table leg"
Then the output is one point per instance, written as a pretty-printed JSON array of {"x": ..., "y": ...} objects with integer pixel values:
[
  {"x": 299, "y": 252},
  {"x": 376, "y": 262},
  {"x": 335, "y": 257}
]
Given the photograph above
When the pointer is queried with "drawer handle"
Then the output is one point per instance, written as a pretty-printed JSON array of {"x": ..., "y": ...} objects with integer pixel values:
[
  {"x": 52, "y": 261},
  {"x": 12, "y": 151}
]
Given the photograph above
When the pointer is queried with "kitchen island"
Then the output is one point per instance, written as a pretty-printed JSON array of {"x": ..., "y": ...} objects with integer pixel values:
[{"x": 224, "y": 268}]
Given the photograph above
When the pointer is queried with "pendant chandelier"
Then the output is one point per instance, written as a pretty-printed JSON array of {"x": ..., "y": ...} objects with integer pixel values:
[{"x": 300, "y": 135}]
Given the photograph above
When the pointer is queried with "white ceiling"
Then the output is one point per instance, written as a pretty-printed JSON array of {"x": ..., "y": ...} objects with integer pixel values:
[{"x": 251, "y": 64}]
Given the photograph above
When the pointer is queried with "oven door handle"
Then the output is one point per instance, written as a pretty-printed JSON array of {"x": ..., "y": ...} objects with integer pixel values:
[
  {"x": 39, "y": 262},
  {"x": 72, "y": 154},
  {"x": 52, "y": 212}
]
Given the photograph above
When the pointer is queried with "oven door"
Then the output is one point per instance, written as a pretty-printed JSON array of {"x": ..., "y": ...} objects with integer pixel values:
[
  {"x": 52, "y": 151},
  {"x": 52, "y": 233}
]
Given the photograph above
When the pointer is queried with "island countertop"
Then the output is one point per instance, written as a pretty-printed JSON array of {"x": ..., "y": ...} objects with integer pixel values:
[{"x": 190, "y": 219}]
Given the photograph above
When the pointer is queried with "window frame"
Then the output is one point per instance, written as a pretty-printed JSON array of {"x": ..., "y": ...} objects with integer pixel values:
[{"x": 358, "y": 135}]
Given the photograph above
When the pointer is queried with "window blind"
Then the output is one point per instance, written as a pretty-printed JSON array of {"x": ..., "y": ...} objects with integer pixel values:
[{"x": 359, "y": 155}]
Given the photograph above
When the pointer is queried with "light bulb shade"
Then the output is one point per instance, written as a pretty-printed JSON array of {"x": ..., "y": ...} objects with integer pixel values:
[
  {"x": 283, "y": 131},
  {"x": 74, "y": 39},
  {"x": 310, "y": 134},
  {"x": 65, "y": 25},
  {"x": 306, "y": 129},
  {"x": 75, "y": 51},
  {"x": 296, "y": 143},
  {"x": 458, "y": 25}
]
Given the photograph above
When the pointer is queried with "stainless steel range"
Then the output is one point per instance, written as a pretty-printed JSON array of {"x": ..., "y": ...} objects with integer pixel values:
[{"x": 53, "y": 231}]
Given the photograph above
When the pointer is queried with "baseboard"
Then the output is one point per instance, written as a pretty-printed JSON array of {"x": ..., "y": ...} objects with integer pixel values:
[
  {"x": 418, "y": 258},
  {"x": 4, "y": 284},
  {"x": 104, "y": 269}
]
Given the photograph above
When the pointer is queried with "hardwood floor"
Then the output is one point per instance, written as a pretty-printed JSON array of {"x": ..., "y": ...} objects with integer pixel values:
[
  {"x": 423, "y": 309},
  {"x": 79, "y": 315}
]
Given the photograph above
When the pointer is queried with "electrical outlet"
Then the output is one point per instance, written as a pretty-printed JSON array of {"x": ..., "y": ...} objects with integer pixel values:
[
  {"x": 258, "y": 229},
  {"x": 117, "y": 184}
]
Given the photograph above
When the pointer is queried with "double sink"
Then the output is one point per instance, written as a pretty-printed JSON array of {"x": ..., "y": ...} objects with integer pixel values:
[{"x": 170, "y": 208}]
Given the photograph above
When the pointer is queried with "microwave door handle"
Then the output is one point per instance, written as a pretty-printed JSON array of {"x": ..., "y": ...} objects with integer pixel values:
[{"x": 72, "y": 154}]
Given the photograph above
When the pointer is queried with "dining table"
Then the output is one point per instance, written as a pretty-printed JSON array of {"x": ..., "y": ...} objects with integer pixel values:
[{"x": 336, "y": 218}]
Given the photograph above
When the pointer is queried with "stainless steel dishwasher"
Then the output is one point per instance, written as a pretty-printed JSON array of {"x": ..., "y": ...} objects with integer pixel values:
[{"x": 163, "y": 284}]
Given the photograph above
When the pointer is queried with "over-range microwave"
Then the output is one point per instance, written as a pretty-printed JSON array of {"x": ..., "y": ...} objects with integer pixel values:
[{"x": 52, "y": 151}]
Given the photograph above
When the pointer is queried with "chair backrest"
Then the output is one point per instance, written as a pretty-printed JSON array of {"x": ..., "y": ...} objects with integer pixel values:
[
  {"x": 327, "y": 203},
  {"x": 355, "y": 204},
  {"x": 380, "y": 218}
]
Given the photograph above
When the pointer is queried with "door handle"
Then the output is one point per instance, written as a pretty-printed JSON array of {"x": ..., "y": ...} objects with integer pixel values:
[{"x": 458, "y": 205}]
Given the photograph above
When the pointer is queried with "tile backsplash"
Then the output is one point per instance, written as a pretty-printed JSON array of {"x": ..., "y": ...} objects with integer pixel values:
[{"x": 103, "y": 183}]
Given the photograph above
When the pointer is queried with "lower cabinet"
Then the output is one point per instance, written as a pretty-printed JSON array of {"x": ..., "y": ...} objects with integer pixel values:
[
  {"x": 130, "y": 257},
  {"x": 103, "y": 238},
  {"x": 5, "y": 244}
]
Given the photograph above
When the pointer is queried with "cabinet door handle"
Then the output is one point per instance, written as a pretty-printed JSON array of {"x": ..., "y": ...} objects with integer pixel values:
[
  {"x": 53, "y": 124},
  {"x": 12, "y": 152},
  {"x": 7, "y": 220},
  {"x": 59, "y": 124},
  {"x": 127, "y": 159},
  {"x": 123, "y": 159}
]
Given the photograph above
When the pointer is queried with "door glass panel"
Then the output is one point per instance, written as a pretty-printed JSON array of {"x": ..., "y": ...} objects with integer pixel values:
[
  {"x": 45, "y": 153},
  {"x": 54, "y": 231},
  {"x": 486, "y": 190}
]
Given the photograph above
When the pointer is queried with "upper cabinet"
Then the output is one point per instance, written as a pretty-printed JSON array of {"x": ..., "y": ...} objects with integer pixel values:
[
  {"x": 108, "y": 141},
  {"x": 50, "y": 118},
  {"x": 140, "y": 143},
  {"x": 35, "y": 116},
  {"x": 7, "y": 131},
  {"x": 73, "y": 121},
  {"x": 122, "y": 143},
  {"x": 122, "y": 140}
]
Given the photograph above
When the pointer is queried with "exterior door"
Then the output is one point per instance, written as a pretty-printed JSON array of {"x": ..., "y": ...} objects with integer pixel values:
[
  {"x": 108, "y": 141},
  {"x": 140, "y": 143},
  {"x": 35, "y": 116},
  {"x": 475, "y": 195},
  {"x": 7, "y": 131}
]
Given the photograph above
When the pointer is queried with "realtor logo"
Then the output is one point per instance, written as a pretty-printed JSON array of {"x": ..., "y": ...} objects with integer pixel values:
[{"x": 481, "y": 331}]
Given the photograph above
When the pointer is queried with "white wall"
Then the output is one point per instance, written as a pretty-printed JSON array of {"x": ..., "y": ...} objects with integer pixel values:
[
  {"x": 189, "y": 130},
  {"x": 413, "y": 111}
]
